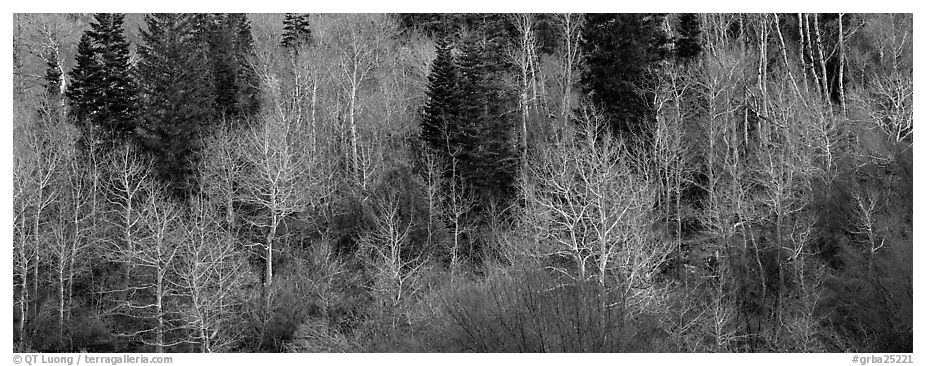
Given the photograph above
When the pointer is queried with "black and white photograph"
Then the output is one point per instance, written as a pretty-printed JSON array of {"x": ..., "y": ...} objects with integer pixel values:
[{"x": 462, "y": 182}]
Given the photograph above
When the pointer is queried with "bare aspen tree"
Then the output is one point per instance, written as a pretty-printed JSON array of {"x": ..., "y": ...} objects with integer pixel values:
[
  {"x": 72, "y": 230},
  {"x": 802, "y": 52},
  {"x": 842, "y": 68},
  {"x": 822, "y": 60},
  {"x": 329, "y": 269},
  {"x": 36, "y": 163},
  {"x": 784, "y": 56},
  {"x": 788, "y": 163},
  {"x": 804, "y": 327},
  {"x": 130, "y": 177},
  {"x": 361, "y": 40},
  {"x": 153, "y": 258},
  {"x": 730, "y": 213},
  {"x": 866, "y": 206},
  {"x": 434, "y": 171},
  {"x": 525, "y": 57},
  {"x": 571, "y": 34},
  {"x": 671, "y": 150},
  {"x": 719, "y": 87},
  {"x": 811, "y": 64},
  {"x": 762, "y": 74},
  {"x": 221, "y": 168},
  {"x": 596, "y": 203},
  {"x": 887, "y": 101},
  {"x": 457, "y": 206},
  {"x": 386, "y": 250},
  {"x": 210, "y": 272},
  {"x": 271, "y": 181}
]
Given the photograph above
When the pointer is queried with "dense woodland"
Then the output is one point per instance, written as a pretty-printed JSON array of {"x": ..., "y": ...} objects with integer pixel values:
[{"x": 463, "y": 183}]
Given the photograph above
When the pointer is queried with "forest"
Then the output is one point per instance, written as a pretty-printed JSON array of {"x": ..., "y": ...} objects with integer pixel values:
[{"x": 462, "y": 182}]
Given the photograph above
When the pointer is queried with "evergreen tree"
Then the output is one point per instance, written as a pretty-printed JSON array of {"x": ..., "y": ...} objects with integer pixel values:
[
  {"x": 296, "y": 31},
  {"x": 83, "y": 92},
  {"x": 103, "y": 95},
  {"x": 50, "y": 105},
  {"x": 176, "y": 81},
  {"x": 484, "y": 133},
  {"x": 688, "y": 44},
  {"x": 230, "y": 48},
  {"x": 52, "y": 75},
  {"x": 245, "y": 75},
  {"x": 621, "y": 50},
  {"x": 467, "y": 119},
  {"x": 443, "y": 105}
]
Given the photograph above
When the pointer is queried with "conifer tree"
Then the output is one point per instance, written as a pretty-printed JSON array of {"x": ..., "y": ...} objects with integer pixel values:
[
  {"x": 443, "y": 104},
  {"x": 83, "y": 93},
  {"x": 179, "y": 100},
  {"x": 484, "y": 132},
  {"x": 296, "y": 31},
  {"x": 245, "y": 75},
  {"x": 688, "y": 44},
  {"x": 52, "y": 75},
  {"x": 467, "y": 119},
  {"x": 621, "y": 50},
  {"x": 103, "y": 95},
  {"x": 230, "y": 47}
]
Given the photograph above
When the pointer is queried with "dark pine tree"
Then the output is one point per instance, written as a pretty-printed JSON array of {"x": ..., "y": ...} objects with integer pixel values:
[
  {"x": 50, "y": 104},
  {"x": 52, "y": 75},
  {"x": 443, "y": 105},
  {"x": 688, "y": 43},
  {"x": 484, "y": 134},
  {"x": 230, "y": 48},
  {"x": 84, "y": 91},
  {"x": 245, "y": 76},
  {"x": 297, "y": 31},
  {"x": 621, "y": 51},
  {"x": 102, "y": 94},
  {"x": 177, "y": 91}
]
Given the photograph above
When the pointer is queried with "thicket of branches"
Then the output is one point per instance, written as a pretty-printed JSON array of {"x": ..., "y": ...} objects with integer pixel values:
[{"x": 463, "y": 182}]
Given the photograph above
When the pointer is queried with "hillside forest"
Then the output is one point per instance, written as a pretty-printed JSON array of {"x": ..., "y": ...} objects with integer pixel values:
[{"x": 462, "y": 182}]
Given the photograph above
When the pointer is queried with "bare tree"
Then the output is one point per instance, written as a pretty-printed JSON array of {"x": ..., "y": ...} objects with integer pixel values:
[
  {"x": 272, "y": 181},
  {"x": 866, "y": 206},
  {"x": 525, "y": 57},
  {"x": 73, "y": 229},
  {"x": 152, "y": 257},
  {"x": 36, "y": 164},
  {"x": 672, "y": 153},
  {"x": 386, "y": 250},
  {"x": 434, "y": 171},
  {"x": 210, "y": 272},
  {"x": 571, "y": 33},
  {"x": 221, "y": 168},
  {"x": 129, "y": 178},
  {"x": 595, "y": 202},
  {"x": 361, "y": 40},
  {"x": 458, "y": 203}
]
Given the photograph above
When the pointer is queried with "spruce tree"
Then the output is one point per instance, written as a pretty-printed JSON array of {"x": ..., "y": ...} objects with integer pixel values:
[
  {"x": 119, "y": 88},
  {"x": 102, "y": 94},
  {"x": 230, "y": 48},
  {"x": 52, "y": 75},
  {"x": 467, "y": 119},
  {"x": 484, "y": 131},
  {"x": 297, "y": 31},
  {"x": 688, "y": 44},
  {"x": 245, "y": 75},
  {"x": 443, "y": 104},
  {"x": 621, "y": 50},
  {"x": 84, "y": 92},
  {"x": 176, "y": 81}
]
